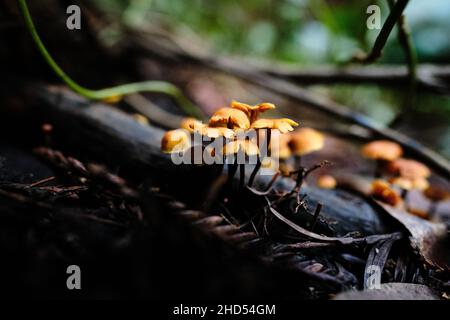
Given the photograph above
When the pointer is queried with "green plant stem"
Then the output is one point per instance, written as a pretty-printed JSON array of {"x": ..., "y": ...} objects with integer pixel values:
[{"x": 103, "y": 94}]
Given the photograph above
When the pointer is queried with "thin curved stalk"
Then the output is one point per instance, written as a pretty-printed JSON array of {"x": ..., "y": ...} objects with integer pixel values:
[{"x": 107, "y": 93}]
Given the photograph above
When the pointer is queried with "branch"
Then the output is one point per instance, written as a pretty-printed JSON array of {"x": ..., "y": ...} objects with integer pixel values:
[
  {"x": 380, "y": 42},
  {"x": 405, "y": 40},
  {"x": 428, "y": 77}
]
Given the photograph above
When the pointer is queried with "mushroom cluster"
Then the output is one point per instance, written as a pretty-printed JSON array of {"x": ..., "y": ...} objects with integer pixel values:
[
  {"x": 230, "y": 129},
  {"x": 399, "y": 173}
]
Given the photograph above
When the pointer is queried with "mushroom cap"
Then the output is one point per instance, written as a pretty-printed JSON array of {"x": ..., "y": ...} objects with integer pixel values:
[
  {"x": 262, "y": 107},
  {"x": 225, "y": 116},
  {"x": 140, "y": 119},
  {"x": 327, "y": 182},
  {"x": 436, "y": 194},
  {"x": 409, "y": 184},
  {"x": 213, "y": 132},
  {"x": 190, "y": 124},
  {"x": 418, "y": 213},
  {"x": 306, "y": 140},
  {"x": 403, "y": 183},
  {"x": 47, "y": 128},
  {"x": 283, "y": 125},
  {"x": 408, "y": 168},
  {"x": 175, "y": 141},
  {"x": 383, "y": 191},
  {"x": 269, "y": 163},
  {"x": 382, "y": 150},
  {"x": 246, "y": 146}
]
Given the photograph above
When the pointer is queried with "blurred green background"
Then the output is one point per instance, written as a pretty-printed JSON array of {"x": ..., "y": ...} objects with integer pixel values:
[{"x": 309, "y": 33}]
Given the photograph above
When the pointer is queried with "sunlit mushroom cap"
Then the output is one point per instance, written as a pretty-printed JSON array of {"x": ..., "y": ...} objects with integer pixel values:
[
  {"x": 283, "y": 125},
  {"x": 327, "y": 182},
  {"x": 140, "y": 119},
  {"x": 175, "y": 141},
  {"x": 245, "y": 146},
  {"x": 418, "y": 213},
  {"x": 269, "y": 163},
  {"x": 382, "y": 150},
  {"x": 262, "y": 107},
  {"x": 402, "y": 183},
  {"x": 409, "y": 184},
  {"x": 408, "y": 168},
  {"x": 224, "y": 116},
  {"x": 381, "y": 190},
  {"x": 190, "y": 124},
  {"x": 211, "y": 132},
  {"x": 436, "y": 194},
  {"x": 306, "y": 140}
]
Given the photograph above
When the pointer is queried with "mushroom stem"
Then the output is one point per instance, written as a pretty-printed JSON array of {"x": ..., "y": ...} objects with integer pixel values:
[
  {"x": 254, "y": 172},
  {"x": 241, "y": 176},
  {"x": 258, "y": 158},
  {"x": 268, "y": 138},
  {"x": 404, "y": 196},
  {"x": 232, "y": 168}
]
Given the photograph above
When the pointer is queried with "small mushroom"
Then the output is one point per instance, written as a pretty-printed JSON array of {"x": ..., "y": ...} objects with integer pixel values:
[
  {"x": 212, "y": 132},
  {"x": 252, "y": 111},
  {"x": 283, "y": 125},
  {"x": 278, "y": 126},
  {"x": 382, "y": 191},
  {"x": 190, "y": 124},
  {"x": 326, "y": 182},
  {"x": 382, "y": 151},
  {"x": 435, "y": 195},
  {"x": 141, "y": 119},
  {"x": 230, "y": 118},
  {"x": 408, "y": 168},
  {"x": 409, "y": 174},
  {"x": 304, "y": 141},
  {"x": 47, "y": 129},
  {"x": 175, "y": 141},
  {"x": 419, "y": 213}
]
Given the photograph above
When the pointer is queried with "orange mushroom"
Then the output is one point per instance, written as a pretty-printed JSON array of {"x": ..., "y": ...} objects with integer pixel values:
[
  {"x": 382, "y": 151},
  {"x": 252, "y": 111},
  {"x": 306, "y": 140},
  {"x": 327, "y": 182},
  {"x": 231, "y": 118},
  {"x": 175, "y": 141},
  {"x": 382, "y": 191}
]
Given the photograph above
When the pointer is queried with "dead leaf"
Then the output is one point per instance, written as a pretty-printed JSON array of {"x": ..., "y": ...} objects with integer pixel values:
[{"x": 430, "y": 239}]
